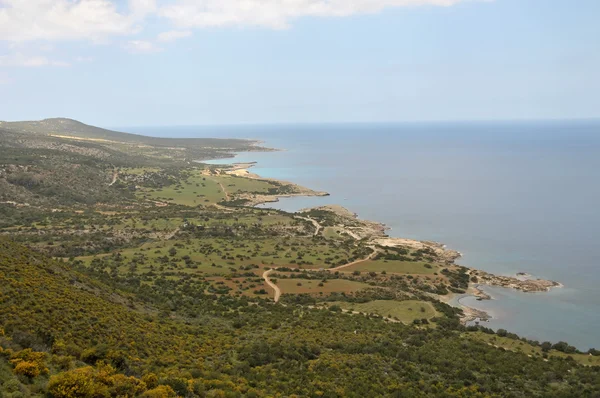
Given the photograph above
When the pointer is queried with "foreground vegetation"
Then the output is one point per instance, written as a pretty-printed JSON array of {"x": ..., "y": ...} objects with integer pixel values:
[{"x": 142, "y": 274}]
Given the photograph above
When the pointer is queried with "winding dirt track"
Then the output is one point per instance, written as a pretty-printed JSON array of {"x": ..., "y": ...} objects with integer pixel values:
[
  {"x": 272, "y": 285},
  {"x": 115, "y": 176},
  {"x": 371, "y": 257},
  {"x": 314, "y": 222},
  {"x": 278, "y": 290},
  {"x": 227, "y": 197}
]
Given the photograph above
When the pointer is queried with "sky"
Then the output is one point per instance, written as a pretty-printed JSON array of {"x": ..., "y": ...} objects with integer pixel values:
[{"x": 205, "y": 62}]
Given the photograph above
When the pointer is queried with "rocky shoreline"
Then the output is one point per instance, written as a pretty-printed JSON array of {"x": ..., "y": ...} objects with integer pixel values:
[
  {"x": 374, "y": 233},
  {"x": 523, "y": 284}
]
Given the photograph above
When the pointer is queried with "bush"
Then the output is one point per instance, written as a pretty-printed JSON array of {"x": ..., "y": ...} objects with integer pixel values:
[
  {"x": 92, "y": 382},
  {"x": 29, "y": 369},
  {"x": 29, "y": 363},
  {"x": 160, "y": 392},
  {"x": 78, "y": 383},
  {"x": 151, "y": 380}
]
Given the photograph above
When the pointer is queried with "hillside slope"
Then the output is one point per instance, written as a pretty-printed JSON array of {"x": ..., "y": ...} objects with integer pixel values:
[
  {"x": 73, "y": 128},
  {"x": 57, "y": 162},
  {"x": 56, "y": 324}
]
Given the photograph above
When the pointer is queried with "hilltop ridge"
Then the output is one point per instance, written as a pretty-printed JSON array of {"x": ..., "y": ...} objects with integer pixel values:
[{"x": 70, "y": 128}]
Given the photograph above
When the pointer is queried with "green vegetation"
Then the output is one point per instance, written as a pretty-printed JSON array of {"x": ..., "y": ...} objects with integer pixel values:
[
  {"x": 544, "y": 350},
  {"x": 404, "y": 311},
  {"x": 298, "y": 286},
  {"x": 76, "y": 334},
  {"x": 397, "y": 267},
  {"x": 127, "y": 271},
  {"x": 191, "y": 191}
]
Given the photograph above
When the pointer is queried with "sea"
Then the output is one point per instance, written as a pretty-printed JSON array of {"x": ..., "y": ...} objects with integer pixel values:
[{"x": 510, "y": 196}]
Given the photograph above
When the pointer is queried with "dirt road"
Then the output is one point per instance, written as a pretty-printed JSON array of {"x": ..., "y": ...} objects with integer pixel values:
[
  {"x": 371, "y": 257},
  {"x": 318, "y": 226},
  {"x": 115, "y": 176},
  {"x": 278, "y": 290},
  {"x": 271, "y": 284}
]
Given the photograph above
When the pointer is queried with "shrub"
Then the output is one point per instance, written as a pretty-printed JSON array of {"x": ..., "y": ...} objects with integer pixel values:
[
  {"x": 29, "y": 363},
  {"x": 78, "y": 383},
  {"x": 151, "y": 380},
  {"x": 160, "y": 392},
  {"x": 29, "y": 369},
  {"x": 90, "y": 382}
]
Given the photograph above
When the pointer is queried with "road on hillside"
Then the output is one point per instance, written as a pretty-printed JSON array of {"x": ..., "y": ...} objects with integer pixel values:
[{"x": 272, "y": 285}]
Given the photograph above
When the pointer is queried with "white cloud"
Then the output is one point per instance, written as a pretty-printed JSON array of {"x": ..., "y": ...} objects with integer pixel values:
[
  {"x": 173, "y": 35},
  {"x": 275, "y": 13},
  {"x": 141, "y": 46},
  {"x": 140, "y": 8},
  {"x": 52, "y": 20},
  {"x": 20, "y": 60}
]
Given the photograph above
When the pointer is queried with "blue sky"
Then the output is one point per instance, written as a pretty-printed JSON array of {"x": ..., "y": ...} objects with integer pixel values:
[{"x": 186, "y": 62}]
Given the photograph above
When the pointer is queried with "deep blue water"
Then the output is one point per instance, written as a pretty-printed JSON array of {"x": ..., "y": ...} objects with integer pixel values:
[{"x": 511, "y": 197}]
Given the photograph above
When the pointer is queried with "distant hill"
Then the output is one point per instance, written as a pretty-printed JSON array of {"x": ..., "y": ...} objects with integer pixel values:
[
  {"x": 38, "y": 160},
  {"x": 72, "y": 128}
]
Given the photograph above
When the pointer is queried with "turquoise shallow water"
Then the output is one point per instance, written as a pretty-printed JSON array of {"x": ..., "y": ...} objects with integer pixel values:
[{"x": 512, "y": 197}]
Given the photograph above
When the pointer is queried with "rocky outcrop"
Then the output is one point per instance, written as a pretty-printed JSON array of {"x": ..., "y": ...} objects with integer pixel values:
[{"x": 522, "y": 283}]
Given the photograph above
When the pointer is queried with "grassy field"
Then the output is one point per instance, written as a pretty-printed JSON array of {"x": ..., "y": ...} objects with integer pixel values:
[
  {"x": 404, "y": 311},
  {"x": 217, "y": 256},
  {"x": 198, "y": 188},
  {"x": 235, "y": 184},
  {"x": 394, "y": 267},
  {"x": 195, "y": 190},
  {"x": 157, "y": 224},
  {"x": 247, "y": 219},
  {"x": 332, "y": 233},
  {"x": 521, "y": 346},
  {"x": 298, "y": 286}
]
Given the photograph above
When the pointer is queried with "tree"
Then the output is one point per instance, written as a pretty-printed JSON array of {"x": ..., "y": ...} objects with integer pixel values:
[{"x": 546, "y": 346}]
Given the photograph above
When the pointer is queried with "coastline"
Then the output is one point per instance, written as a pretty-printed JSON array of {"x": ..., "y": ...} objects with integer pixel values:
[
  {"x": 376, "y": 232},
  {"x": 242, "y": 170}
]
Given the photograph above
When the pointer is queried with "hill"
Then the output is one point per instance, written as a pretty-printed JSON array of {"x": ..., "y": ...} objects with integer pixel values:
[
  {"x": 66, "y": 333},
  {"x": 64, "y": 162},
  {"x": 128, "y": 270},
  {"x": 69, "y": 128}
]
